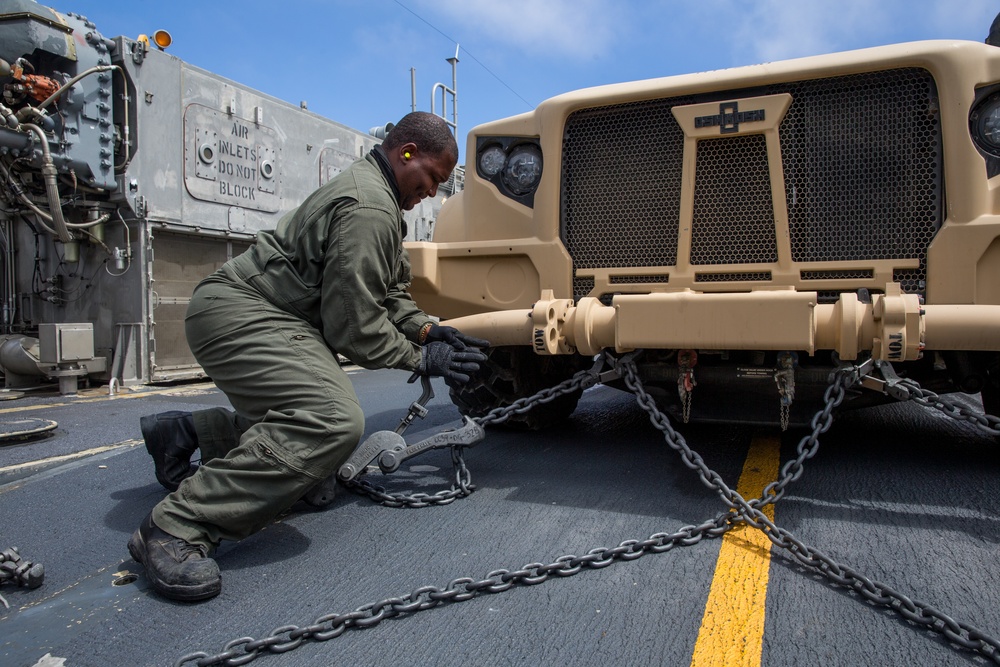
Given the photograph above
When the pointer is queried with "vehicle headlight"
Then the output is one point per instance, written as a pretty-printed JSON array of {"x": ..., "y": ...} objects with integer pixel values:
[
  {"x": 984, "y": 123},
  {"x": 491, "y": 160},
  {"x": 512, "y": 164},
  {"x": 523, "y": 169}
]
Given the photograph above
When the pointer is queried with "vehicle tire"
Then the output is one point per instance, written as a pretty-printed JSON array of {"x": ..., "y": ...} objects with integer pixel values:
[
  {"x": 512, "y": 373},
  {"x": 991, "y": 389}
]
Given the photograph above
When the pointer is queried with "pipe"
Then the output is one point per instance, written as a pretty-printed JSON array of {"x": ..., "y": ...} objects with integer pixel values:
[
  {"x": 126, "y": 139},
  {"x": 14, "y": 140},
  {"x": 19, "y": 354},
  {"x": 43, "y": 216},
  {"x": 501, "y": 327},
  {"x": 413, "y": 89},
  {"x": 10, "y": 275},
  {"x": 62, "y": 89},
  {"x": 962, "y": 327},
  {"x": 8, "y": 116},
  {"x": 50, "y": 173}
]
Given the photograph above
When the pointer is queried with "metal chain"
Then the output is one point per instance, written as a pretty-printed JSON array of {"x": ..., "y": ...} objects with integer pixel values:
[
  {"x": 987, "y": 423},
  {"x": 285, "y": 638},
  {"x": 964, "y": 635},
  {"x": 463, "y": 478},
  {"x": 580, "y": 381},
  {"x": 462, "y": 487},
  {"x": 821, "y": 422},
  {"x": 14, "y": 569}
]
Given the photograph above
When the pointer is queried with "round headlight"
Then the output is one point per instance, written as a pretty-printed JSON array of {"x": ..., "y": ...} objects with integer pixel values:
[
  {"x": 491, "y": 161},
  {"x": 523, "y": 169},
  {"x": 985, "y": 124}
]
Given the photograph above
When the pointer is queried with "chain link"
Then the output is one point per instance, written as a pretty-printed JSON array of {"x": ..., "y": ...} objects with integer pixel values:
[
  {"x": 580, "y": 381},
  {"x": 462, "y": 487},
  {"x": 986, "y": 423},
  {"x": 748, "y": 512},
  {"x": 285, "y": 638},
  {"x": 463, "y": 478},
  {"x": 821, "y": 422}
]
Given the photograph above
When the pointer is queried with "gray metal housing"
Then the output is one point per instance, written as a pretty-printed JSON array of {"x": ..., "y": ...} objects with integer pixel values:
[{"x": 200, "y": 164}]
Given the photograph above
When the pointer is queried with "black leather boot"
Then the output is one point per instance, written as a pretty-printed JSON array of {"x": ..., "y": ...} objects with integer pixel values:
[
  {"x": 171, "y": 440},
  {"x": 321, "y": 495},
  {"x": 177, "y": 569}
]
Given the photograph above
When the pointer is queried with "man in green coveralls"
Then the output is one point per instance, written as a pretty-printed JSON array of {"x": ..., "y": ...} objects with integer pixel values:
[{"x": 267, "y": 328}]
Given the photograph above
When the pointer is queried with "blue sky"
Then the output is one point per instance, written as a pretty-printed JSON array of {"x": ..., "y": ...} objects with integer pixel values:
[{"x": 351, "y": 59}]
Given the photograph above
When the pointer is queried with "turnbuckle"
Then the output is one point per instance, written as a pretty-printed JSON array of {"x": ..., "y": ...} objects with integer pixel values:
[
  {"x": 388, "y": 450},
  {"x": 466, "y": 435},
  {"x": 325, "y": 491}
]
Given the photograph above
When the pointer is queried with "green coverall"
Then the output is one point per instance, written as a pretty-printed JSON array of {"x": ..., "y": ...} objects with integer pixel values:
[{"x": 266, "y": 327}]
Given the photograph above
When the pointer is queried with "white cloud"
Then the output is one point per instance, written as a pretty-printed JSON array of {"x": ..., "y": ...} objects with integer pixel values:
[
  {"x": 573, "y": 29},
  {"x": 778, "y": 29},
  {"x": 974, "y": 17}
]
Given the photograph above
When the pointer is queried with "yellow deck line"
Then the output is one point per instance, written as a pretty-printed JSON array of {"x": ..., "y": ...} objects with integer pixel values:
[
  {"x": 70, "y": 457},
  {"x": 732, "y": 629},
  {"x": 193, "y": 390}
]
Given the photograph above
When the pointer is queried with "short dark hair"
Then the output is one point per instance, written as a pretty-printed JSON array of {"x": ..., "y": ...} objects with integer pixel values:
[
  {"x": 428, "y": 131},
  {"x": 993, "y": 39}
]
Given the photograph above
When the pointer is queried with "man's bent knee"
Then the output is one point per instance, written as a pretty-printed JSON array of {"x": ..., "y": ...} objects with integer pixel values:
[{"x": 342, "y": 440}]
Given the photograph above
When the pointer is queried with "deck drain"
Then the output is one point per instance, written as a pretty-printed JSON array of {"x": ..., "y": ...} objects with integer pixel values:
[
  {"x": 17, "y": 430},
  {"x": 125, "y": 580}
]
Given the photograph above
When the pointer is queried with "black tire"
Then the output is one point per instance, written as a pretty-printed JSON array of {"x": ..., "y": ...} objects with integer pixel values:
[
  {"x": 991, "y": 389},
  {"x": 512, "y": 373}
]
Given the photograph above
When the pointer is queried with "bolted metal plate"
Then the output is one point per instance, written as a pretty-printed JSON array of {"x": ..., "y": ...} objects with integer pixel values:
[{"x": 230, "y": 160}]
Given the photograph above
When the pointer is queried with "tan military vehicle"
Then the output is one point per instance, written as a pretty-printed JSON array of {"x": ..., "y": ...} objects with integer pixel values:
[{"x": 749, "y": 229}]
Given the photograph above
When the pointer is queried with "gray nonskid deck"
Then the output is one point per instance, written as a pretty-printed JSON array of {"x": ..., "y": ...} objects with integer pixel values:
[{"x": 903, "y": 496}]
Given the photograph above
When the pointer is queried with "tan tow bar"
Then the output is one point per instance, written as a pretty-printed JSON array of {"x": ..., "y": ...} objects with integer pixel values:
[{"x": 893, "y": 326}]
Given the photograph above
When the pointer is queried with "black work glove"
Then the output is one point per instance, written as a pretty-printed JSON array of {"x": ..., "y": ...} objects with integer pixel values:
[
  {"x": 442, "y": 360},
  {"x": 453, "y": 337}
]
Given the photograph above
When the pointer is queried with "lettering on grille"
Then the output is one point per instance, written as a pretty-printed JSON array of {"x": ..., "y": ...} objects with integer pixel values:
[{"x": 729, "y": 118}]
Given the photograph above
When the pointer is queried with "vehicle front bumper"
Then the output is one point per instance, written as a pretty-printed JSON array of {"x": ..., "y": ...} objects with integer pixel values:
[{"x": 893, "y": 327}]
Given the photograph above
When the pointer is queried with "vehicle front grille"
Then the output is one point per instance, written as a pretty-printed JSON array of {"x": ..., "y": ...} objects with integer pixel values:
[{"x": 862, "y": 167}]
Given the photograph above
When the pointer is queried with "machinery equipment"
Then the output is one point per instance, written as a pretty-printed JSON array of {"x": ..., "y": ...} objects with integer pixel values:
[{"x": 126, "y": 176}]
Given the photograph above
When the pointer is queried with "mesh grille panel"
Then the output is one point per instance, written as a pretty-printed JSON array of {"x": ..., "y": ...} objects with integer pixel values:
[
  {"x": 621, "y": 183},
  {"x": 835, "y": 275},
  {"x": 733, "y": 213},
  {"x": 731, "y": 277},
  {"x": 632, "y": 280},
  {"x": 912, "y": 280},
  {"x": 863, "y": 167},
  {"x": 862, "y": 163}
]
